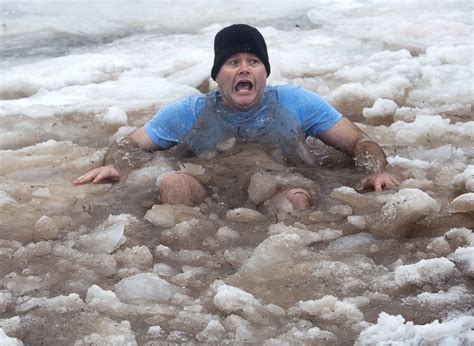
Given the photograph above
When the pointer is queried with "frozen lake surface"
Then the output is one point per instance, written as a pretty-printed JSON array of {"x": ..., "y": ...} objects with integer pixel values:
[{"x": 105, "y": 264}]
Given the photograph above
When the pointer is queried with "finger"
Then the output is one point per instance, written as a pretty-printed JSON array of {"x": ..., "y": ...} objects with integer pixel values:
[
  {"x": 101, "y": 176},
  {"x": 87, "y": 178},
  {"x": 83, "y": 179}
]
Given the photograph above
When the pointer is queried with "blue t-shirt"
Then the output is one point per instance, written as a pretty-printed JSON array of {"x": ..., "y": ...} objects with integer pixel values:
[{"x": 202, "y": 120}]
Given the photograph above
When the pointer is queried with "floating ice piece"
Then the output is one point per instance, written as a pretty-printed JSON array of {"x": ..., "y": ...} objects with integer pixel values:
[
  {"x": 431, "y": 128},
  {"x": 421, "y": 184},
  {"x": 352, "y": 197},
  {"x": 59, "y": 304},
  {"x": 273, "y": 251},
  {"x": 262, "y": 186},
  {"x": 404, "y": 207},
  {"x": 307, "y": 237},
  {"x": 357, "y": 221},
  {"x": 451, "y": 240},
  {"x": 245, "y": 215},
  {"x": 189, "y": 275},
  {"x": 405, "y": 114},
  {"x": 102, "y": 264},
  {"x": 5, "y": 340},
  {"x": 146, "y": 288},
  {"x": 42, "y": 192},
  {"x": 110, "y": 332},
  {"x": 6, "y": 199},
  {"x": 114, "y": 116},
  {"x": 45, "y": 229},
  {"x": 329, "y": 308},
  {"x": 148, "y": 174},
  {"x": 155, "y": 331},
  {"x": 242, "y": 328},
  {"x": 196, "y": 171},
  {"x": 6, "y": 301},
  {"x": 440, "y": 246},
  {"x": 352, "y": 242},
  {"x": 20, "y": 285},
  {"x": 235, "y": 300},
  {"x": 394, "y": 330},
  {"x": 460, "y": 237},
  {"x": 432, "y": 271},
  {"x": 163, "y": 269},
  {"x": 465, "y": 257},
  {"x": 104, "y": 301},
  {"x": 303, "y": 335},
  {"x": 456, "y": 294},
  {"x": 341, "y": 210},
  {"x": 213, "y": 332},
  {"x": 166, "y": 215},
  {"x": 463, "y": 203},
  {"x": 465, "y": 180},
  {"x": 226, "y": 235},
  {"x": 137, "y": 257},
  {"x": 104, "y": 241},
  {"x": 382, "y": 108}
]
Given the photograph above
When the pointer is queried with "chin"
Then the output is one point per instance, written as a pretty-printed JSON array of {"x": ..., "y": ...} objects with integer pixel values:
[{"x": 245, "y": 105}]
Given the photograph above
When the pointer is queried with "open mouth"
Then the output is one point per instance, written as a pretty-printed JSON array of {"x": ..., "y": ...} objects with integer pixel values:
[{"x": 244, "y": 86}]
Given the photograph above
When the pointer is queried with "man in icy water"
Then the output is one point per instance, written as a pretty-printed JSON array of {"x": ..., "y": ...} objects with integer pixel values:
[{"x": 245, "y": 108}]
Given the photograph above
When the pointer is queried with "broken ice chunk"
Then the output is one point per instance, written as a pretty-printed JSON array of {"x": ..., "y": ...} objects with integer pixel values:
[
  {"x": 6, "y": 199},
  {"x": 463, "y": 203},
  {"x": 262, "y": 186},
  {"x": 403, "y": 208},
  {"x": 45, "y": 229},
  {"x": 110, "y": 332},
  {"x": 166, "y": 215},
  {"x": 245, "y": 215},
  {"x": 465, "y": 181},
  {"x": 235, "y": 300},
  {"x": 104, "y": 301},
  {"x": 352, "y": 197},
  {"x": 146, "y": 288},
  {"x": 465, "y": 257},
  {"x": 7, "y": 341},
  {"x": 432, "y": 271},
  {"x": 329, "y": 308},
  {"x": 104, "y": 241}
]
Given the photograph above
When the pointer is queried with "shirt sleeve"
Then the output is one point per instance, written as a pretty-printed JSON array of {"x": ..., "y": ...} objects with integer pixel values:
[
  {"x": 315, "y": 114},
  {"x": 173, "y": 121}
]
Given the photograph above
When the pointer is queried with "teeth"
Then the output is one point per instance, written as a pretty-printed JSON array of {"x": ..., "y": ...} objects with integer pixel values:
[{"x": 243, "y": 86}]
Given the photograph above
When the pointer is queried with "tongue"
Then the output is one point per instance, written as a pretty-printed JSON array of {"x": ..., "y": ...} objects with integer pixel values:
[{"x": 243, "y": 86}]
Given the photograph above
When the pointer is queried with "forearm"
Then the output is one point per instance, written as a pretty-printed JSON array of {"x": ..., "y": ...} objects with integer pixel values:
[
  {"x": 109, "y": 155},
  {"x": 125, "y": 153},
  {"x": 369, "y": 157}
]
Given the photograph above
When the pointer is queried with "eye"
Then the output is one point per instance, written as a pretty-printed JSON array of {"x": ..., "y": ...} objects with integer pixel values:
[
  {"x": 254, "y": 61},
  {"x": 233, "y": 62}
]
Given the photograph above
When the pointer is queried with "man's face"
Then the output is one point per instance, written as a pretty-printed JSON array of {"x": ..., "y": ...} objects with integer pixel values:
[{"x": 241, "y": 80}]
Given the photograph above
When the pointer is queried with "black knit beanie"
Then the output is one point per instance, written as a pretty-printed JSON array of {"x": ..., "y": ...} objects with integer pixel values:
[{"x": 238, "y": 38}]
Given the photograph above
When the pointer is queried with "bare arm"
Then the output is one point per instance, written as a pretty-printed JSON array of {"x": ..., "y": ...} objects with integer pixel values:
[
  {"x": 368, "y": 155},
  {"x": 118, "y": 156}
]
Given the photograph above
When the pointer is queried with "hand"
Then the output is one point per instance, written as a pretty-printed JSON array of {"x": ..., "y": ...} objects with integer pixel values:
[
  {"x": 98, "y": 175},
  {"x": 381, "y": 181}
]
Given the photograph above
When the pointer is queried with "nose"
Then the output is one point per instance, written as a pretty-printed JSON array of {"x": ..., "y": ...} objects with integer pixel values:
[{"x": 244, "y": 68}]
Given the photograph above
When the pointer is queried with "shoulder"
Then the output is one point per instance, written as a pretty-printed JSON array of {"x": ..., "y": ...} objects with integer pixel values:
[
  {"x": 293, "y": 92},
  {"x": 291, "y": 95},
  {"x": 189, "y": 103}
]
